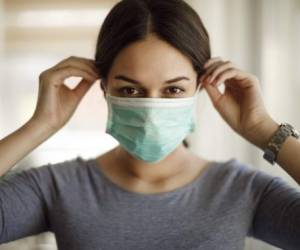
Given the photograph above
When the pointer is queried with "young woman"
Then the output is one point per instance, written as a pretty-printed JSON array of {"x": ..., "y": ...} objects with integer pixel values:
[{"x": 151, "y": 191}]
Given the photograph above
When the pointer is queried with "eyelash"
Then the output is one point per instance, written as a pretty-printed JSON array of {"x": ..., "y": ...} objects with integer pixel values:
[
  {"x": 181, "y": 90},
  {"x": 126, "y": 88}
]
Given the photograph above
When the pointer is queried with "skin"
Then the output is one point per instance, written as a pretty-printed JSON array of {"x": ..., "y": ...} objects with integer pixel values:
[
  {"x": 241, "y": 106},
  {"x": 151, "y": 70}
]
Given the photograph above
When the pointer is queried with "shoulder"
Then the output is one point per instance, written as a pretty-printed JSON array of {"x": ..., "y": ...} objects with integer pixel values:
[
  {"x": 49, "y": 174},
  {"x": 242, "y": 177},
  {"x": 248, "y": 180},
  {"x": 73, "y": 170},
  {"x": 236, "y": 170}
]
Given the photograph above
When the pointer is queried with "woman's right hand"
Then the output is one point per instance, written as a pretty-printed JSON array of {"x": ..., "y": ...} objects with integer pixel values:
[{"x": 56, "y": 101}]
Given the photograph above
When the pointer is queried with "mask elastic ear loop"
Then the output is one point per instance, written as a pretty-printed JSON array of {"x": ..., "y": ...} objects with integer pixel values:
[
  {"x": 200, "y": 85},
  {"x": 198, "y": 88},
  {"x": 103, "y": 87}
]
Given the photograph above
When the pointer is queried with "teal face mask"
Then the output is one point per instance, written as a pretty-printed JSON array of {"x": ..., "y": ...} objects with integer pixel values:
[{"x": 150, "y": 128}]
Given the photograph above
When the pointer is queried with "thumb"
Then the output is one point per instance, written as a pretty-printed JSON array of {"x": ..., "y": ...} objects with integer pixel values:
[
  {"x": 214, "y": 94},
  {"x": 225, "y": 105},
  {"x": 82, "y": 88}
]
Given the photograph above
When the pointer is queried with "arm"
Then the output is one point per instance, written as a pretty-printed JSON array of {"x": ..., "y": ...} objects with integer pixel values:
[
  {"x": 276, "y": 217},
  {"x": 23, "y": 196},
  {"x": 242, "y": 107},
  {"x": 23, "y": 205},
  {"x": 55, "y": 106},
  {"x": 17, "y": 145},
  {"x": 288, "y": 156}
]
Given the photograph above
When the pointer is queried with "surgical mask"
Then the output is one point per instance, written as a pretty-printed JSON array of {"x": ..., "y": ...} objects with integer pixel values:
[{"x": 150, "y": 128}]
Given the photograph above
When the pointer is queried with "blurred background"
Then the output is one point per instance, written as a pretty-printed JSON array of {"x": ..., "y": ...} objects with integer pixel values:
[{"x": 261, "y": 36}]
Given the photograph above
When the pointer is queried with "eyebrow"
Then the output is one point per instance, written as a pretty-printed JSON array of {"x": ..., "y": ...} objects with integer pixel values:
[{"x": 127, "y": 79}]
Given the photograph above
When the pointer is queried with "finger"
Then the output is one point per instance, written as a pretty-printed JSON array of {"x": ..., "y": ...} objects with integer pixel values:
[
  {"x": 214, "y": 94},
  {"x": 82, "y": 88},
  {"x": 82, "y": 67},
  {"x": 222, "y": 67},
  {"x": 90, "y": 62},
  {"x": 77, "y": 58},
  {"x": 240, "y": 76},
  {"x": 227, "y": 74},
  {"x": 78, "y": 62},
  {"x": 209, "y": 70},
  {"x": 211, "y": 61},
  {"x": 68, "y": 71}
]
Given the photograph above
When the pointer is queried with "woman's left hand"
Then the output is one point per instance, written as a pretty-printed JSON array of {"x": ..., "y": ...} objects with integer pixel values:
[{"x": 241, "y": 105}]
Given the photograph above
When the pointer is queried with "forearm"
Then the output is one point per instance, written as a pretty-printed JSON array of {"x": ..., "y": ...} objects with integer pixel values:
[
  {"x": 289, "y": 157},
  {"x": 20, "y": 143},
  {"x": 289, "y": 154}
]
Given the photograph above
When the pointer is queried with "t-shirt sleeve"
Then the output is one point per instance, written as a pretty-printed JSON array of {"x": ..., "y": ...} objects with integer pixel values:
[
  {"x": 276, "y": 218},
  {"x": 23, "y": 210}
]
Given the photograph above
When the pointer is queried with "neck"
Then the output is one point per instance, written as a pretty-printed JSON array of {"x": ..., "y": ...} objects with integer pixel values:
[{"x": 170, "y": 166}]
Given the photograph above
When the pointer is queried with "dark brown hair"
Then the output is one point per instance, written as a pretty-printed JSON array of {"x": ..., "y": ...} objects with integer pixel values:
[{"x": 173, "y": 21}]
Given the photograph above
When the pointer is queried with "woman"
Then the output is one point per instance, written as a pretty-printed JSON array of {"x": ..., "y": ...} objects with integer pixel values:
[{"x": 151, "y": 191}]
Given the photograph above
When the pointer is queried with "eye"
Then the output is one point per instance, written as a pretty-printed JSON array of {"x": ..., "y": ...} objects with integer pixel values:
[
  {"x": 176, "y": 90},
  {"x": 127, "y": 91}
]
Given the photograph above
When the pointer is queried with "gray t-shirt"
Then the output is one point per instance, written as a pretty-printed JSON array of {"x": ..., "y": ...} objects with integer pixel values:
[{"x": 86, "y": 210}]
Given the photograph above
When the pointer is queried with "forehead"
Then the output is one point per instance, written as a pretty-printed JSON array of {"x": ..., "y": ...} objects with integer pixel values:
[{"x": 152, "y": 56}]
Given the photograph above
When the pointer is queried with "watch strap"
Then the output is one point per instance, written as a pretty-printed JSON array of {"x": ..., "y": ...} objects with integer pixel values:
[{"x": 283, "y": 132}]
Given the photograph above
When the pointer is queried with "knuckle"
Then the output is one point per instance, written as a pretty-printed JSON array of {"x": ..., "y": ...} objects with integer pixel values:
[
  {"x": 44, "y": 75},
  {"x": 68, "y": 69},
  {"x": 41, "y": 75},
  {"x": 228, "y": 62},
  {"x": 49, "y": 80},
  {"x": 218, "y": 58},
  {"x": 68, "y": 59},
  {"x": 230, "y": 70}
]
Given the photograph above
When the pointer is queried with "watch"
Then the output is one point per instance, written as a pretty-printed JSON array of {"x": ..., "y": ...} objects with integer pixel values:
[{"x": 271, "y": 151}]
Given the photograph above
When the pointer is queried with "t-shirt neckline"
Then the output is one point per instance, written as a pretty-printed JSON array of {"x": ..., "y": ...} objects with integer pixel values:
[{"x": 94, "y": 165}]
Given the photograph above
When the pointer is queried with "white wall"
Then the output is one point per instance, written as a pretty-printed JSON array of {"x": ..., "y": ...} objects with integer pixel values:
[{"x": 263, "y": 37}]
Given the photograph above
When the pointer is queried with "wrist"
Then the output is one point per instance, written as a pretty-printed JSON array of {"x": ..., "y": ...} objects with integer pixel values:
[
  {"x": 265, "y": 134},
  {"x": 40, "y": 128}
]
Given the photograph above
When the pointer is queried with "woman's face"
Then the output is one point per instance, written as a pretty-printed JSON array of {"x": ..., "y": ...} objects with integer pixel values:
[{"x": 151, "y": 68}]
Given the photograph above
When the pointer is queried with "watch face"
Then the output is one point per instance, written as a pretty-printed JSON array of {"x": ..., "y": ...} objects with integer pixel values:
[
  {"x": 289, "y": 126},
  {"x": 296, "y": 133},
  {"x": 293, "y": 130}
]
